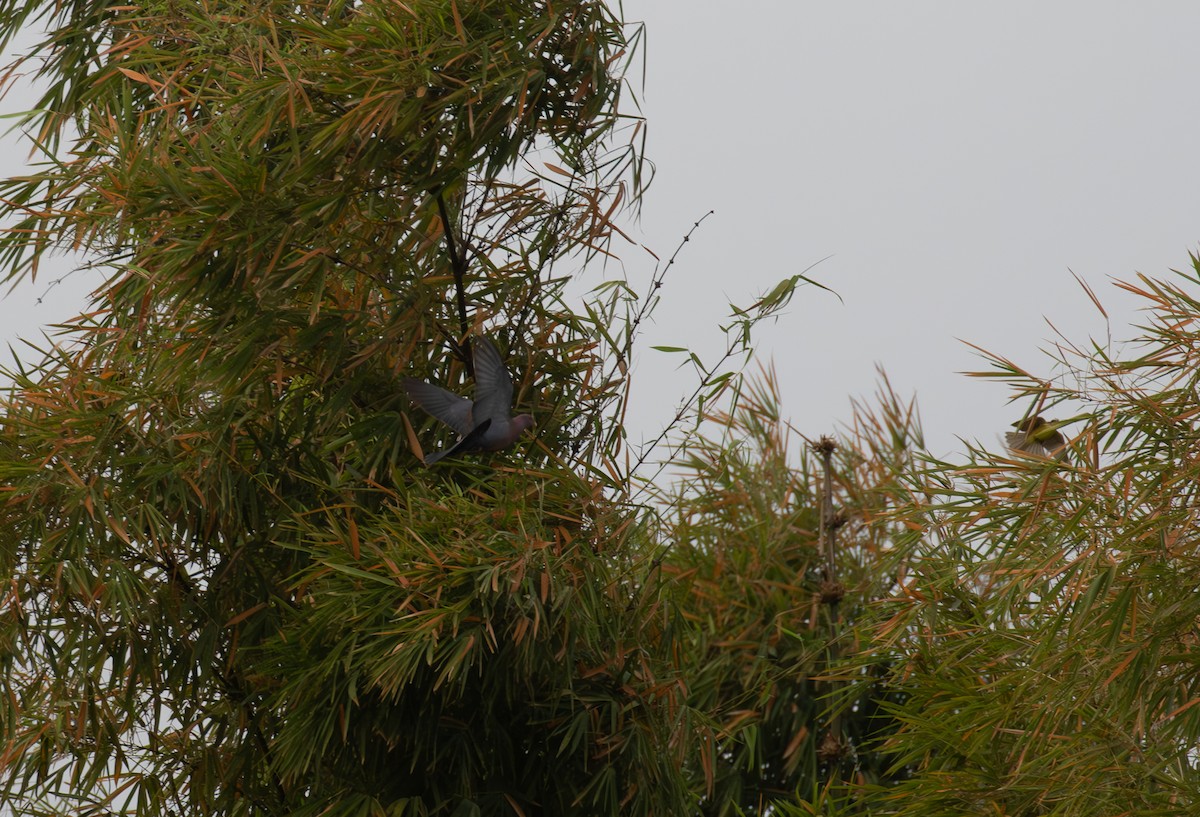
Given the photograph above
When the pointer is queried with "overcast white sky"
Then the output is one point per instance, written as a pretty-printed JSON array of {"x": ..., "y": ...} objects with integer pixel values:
[{"x": 956, "y": 160}]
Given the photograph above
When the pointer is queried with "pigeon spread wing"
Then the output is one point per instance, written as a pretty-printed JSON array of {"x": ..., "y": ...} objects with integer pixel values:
[
  {"x": 467, "y": 443},
  {"x": 493, "y": 386},
  {"x": 446, "y": 406}
]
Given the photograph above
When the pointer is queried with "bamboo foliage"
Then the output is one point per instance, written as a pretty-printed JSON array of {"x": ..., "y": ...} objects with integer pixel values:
[
  {"x": 1046, "y": 609},
  {"x": 792, "y": 695},
  {"x": 234, "y": 589}
]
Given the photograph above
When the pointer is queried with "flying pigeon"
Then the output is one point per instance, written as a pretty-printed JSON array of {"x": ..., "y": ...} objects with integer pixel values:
[
  {"x": 1038, "y": 437},
  {"x": 483, "y": 424}
]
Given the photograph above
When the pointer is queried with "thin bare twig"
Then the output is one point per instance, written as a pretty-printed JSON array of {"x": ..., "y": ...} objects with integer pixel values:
[{"x": 655, "y": 285}]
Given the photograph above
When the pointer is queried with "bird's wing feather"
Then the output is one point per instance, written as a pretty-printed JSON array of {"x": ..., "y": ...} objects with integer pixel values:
[
  {"x": 493, "y": 385},
  {"x": 446, "y": 406},
  {"x": 467, "y": 443},
  {"x": 1024, "y": 443}
]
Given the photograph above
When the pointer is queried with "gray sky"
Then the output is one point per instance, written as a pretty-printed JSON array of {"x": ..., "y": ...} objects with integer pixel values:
[{"x": 956, "y": 160}]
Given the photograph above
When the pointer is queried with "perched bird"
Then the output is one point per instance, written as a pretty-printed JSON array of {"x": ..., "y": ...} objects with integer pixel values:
[
  {"x": 1038, "y": 437},
  {"x": 483, "y": 424}
]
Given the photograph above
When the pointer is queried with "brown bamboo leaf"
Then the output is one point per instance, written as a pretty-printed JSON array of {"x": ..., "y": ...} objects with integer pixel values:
[
  {"x": 413, "y": 443},
  {"x": 245, "y": 614}
]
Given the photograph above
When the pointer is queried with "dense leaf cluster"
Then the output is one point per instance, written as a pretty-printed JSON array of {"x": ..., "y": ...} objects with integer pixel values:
[{"x": 233, "y": 588}]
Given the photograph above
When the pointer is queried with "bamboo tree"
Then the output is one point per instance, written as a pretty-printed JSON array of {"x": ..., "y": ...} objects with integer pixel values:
[
  {"x": 793, "y": 706},
  {"x": 1046, "y": 615},
  {"x": 235, "y": 590}
]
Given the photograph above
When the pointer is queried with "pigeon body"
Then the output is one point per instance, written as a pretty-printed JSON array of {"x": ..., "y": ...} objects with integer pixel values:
[
  {"x": 1037, "y": 436},
  {"x": 483, "y": 424}
]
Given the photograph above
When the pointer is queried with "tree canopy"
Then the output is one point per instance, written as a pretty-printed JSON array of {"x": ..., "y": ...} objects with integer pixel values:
[{"x": 236, "y": 589}]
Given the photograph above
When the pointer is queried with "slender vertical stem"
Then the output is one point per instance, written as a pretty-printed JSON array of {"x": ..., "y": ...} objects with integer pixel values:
[
  {"x": 834, "y": 745},
  {"x": 458, "y": 265},
  {"x": 828, "y": 532}
]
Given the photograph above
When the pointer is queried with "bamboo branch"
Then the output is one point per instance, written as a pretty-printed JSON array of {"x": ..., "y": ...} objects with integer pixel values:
[
  {"x": 833, "y": 747},
  {"x": 458, "y": 265}
]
